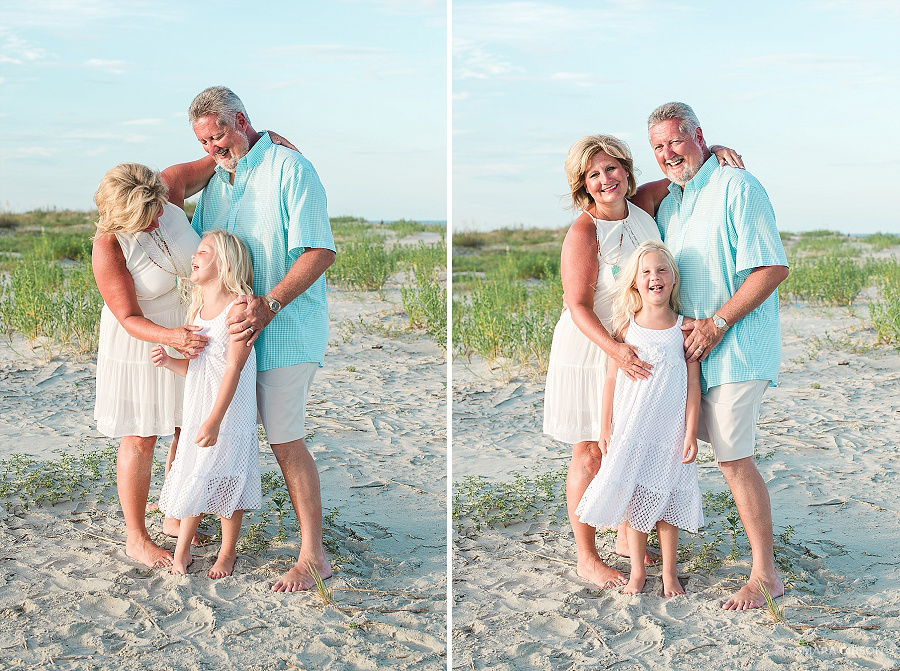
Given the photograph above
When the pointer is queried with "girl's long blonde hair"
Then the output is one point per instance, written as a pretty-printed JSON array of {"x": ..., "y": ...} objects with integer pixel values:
[
  {"x": 233, "y": 267},
  {"x": 627, "y": 300}
]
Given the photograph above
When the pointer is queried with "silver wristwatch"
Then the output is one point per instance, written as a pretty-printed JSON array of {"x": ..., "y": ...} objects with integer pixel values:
[
  {"x": 274, "y": 305},
  {"x": 720, "y": 323}
]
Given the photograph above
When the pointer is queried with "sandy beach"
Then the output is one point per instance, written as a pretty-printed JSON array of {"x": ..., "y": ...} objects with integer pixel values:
[
  {"x": 828, "y": 439},
  {"x": 71, "y": 599}
]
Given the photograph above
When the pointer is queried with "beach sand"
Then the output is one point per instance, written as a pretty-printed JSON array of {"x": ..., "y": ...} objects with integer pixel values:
[
  {"x": 828, "y": 441},
  {"x": 71, "y": 599}
]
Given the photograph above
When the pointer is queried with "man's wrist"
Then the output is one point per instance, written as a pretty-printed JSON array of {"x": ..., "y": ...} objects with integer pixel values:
[
  {"x": 720, "y": 322},
  {"x": 273, "y": 303}
]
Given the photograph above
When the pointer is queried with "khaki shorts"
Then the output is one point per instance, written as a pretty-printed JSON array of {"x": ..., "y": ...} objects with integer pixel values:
[
  {"x": 281, "y": 401},
  {"x": 728, "y": 416}
]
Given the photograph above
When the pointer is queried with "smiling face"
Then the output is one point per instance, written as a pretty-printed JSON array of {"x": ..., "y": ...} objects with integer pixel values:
[
  {"x": 226, "y": 144},
  {"x": 655, "y": 278},
  {"x": 204, "y": 266},
  {"x": 605, "y": 179},
  {"x": 679, "y": 154}
]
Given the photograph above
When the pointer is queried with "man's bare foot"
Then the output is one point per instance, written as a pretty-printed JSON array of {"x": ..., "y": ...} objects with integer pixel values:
[
  {"x": 749, "y": 596},
  {"x": 635, "y": 584},
  {"x": 300, "y": 578},
  {"x": 595, "y": 571},
  {"x": 671, "y": 584},
  {"x": 170, "y": 528},
  {"x": 223, "y": 567},
  {"x": 148, "y": 553},
  {"x": 180, "y": 567}
]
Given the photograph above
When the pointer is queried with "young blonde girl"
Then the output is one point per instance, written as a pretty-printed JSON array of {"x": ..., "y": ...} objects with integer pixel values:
[
  {"x": 649, "y": 427},
  {"x": 216, "y": 468}
]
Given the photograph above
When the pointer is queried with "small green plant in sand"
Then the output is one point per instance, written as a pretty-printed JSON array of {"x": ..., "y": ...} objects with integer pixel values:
[
  {"x": 71, "y": 477},
  {"x": 363, "y": 264},
  {"x": 885, "y": 310},
  {"x": 774, "y": 609},
  {"x": 503, "y": 317},
  {"x": 830, "y": 280},
  {"x": 482, "y": 502},
  {"x": 42, "y": 299},
  {"x": 326, "y": 594},
  {"x": 425, "y": 301}
]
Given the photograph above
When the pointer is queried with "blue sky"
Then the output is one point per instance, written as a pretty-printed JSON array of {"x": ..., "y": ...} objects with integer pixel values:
[
  {"x": 358, "y": 85},
  {"x": 808, "y": 91}
]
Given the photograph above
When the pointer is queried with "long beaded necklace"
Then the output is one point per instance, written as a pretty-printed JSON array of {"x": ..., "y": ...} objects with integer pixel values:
[
  {"x": 162, "y": 245},
  {"x": 615, "y": 264}
]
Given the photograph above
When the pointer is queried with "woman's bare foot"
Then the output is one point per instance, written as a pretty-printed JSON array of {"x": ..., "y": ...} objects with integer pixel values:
[
  {"x": 750, "y": 596},
  {"x": 223, "y": 567},
  {"x": 635, "y": 583},
  {"x": 595, "y": 571},
  {"x": 180, "y": 566},
  {"x": 300, "y": 577},
  {"x": 148, "y": 553},
  {"x": 170, "y": 528},
  {"x": 671, "y": 584}
]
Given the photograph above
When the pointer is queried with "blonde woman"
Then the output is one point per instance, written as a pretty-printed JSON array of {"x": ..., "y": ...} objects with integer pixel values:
[
  {"x": 615, "y": 218},
  {"x": 142, "y": 246}
]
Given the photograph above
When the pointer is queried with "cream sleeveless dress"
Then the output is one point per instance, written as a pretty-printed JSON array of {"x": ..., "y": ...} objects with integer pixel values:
[
  {"x": 642, "y": 479},
  {"x": 134, "y": 398},
  {"x": 577, "y": 368}
]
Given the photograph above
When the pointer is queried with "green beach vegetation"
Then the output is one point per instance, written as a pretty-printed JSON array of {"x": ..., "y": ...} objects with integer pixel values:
[
  {"x": 48, "y": 293},
  {"x": 507, "y": 290}
]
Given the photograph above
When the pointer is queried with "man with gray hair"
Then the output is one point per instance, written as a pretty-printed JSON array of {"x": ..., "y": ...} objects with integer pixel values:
[
  {"x": 720, "y": 226},
  {"x": 272, "y": 199}
]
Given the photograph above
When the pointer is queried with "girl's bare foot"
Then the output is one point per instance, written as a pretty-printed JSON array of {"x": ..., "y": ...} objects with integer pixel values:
[
  {"x": 635, "y": 583},
  {"x": 223, "y": 567},
  {"x": 148, "y": 553},
  {"x": 180, "y": 566},
  {"x": 595, "y": 571},
  {"x": 671, "y": 584}
]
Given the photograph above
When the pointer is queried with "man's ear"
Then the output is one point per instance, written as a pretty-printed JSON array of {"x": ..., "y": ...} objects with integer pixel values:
[
  {"x": 240, "y": 121},
  {"x": 699, "y": 137}
]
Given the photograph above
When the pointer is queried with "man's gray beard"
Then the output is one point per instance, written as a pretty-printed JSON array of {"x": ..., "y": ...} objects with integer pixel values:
[{"x": 686, "y": 175}]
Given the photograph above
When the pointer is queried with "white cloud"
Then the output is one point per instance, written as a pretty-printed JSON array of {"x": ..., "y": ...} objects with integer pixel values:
[
  {"x": 471, "y": 61},
  {"x": 29, "y": 152},
  {"x": 143, "y": 122},
  {"x": 16, "y": 51},
  {"x": 111, "y": 67},
  {"x": 326, "y": 52}
]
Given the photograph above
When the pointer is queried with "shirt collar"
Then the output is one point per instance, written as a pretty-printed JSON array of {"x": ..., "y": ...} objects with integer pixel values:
[
  {"x": 698, "y": 181},
  {"x": 249, "y": 160}
]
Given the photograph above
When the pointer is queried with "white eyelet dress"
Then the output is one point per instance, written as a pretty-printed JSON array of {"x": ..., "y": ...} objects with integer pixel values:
[
  {"x": 577, "y": 368},
  {"x": 642, "y": 479},
  {"x": 134, "y": 397},
  {"x": 224, "y": 477}
]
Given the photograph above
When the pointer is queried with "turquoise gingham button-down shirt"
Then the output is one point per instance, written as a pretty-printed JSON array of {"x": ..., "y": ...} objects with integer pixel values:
[
  {"x": 719, "y": 229},
  {"x": 277, "y": 206}
]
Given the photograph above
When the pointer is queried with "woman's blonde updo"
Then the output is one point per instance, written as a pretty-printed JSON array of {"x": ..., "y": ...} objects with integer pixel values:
[{"x": 128, "y": 198}]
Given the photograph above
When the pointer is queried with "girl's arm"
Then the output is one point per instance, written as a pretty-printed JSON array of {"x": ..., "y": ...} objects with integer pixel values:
[
  {"x": 235, "y": 358},
  {"x": 606, "y": 406},
  {"x": 161, "y": 359},
  {"x": 692, "y": 411},
  {"x": 578, "y": 267},
  {"x": 651, "y": 194},
  {"x": 116, "y": 285}
]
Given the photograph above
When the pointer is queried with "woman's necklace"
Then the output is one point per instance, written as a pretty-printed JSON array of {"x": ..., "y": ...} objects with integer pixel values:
[
  {"x": 162, "y": 245},
  {"x": 614, "y": 264}
]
